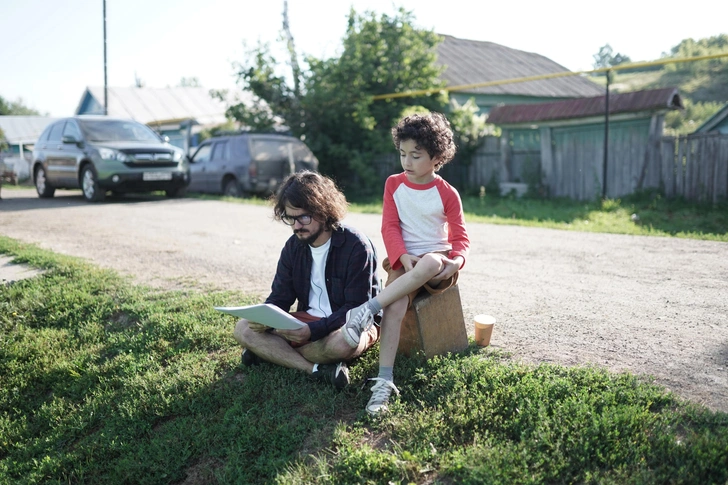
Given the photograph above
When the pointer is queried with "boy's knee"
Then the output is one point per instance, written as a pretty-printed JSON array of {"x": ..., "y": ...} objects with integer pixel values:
[{"x": 430, "y": 264}]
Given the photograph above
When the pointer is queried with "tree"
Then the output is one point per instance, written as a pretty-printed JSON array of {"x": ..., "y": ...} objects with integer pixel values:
[
  {"x": 16, "y": 108},
  {"x": 691, "y": 48},
  {"x": 606, "y": 58},
  {"x": 189, "y": 82},
  {"x": 334, "y": 111}
]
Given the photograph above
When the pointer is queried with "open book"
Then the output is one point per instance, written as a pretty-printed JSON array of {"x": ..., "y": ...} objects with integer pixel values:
[{"x": 265, "y": 314}]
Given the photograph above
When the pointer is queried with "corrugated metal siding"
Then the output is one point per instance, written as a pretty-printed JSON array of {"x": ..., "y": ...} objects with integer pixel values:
[
  {"x": 25, "y": 129},
  {"x": 648, "y": 100},
  {"x": 149, "y": 105},
  {"x": 471, "y": 62}
]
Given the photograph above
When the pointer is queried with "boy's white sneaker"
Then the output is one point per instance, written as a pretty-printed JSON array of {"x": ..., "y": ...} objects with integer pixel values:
[
  {"x": 381, "y": 391},
  {"x": 358, "y": 321}
]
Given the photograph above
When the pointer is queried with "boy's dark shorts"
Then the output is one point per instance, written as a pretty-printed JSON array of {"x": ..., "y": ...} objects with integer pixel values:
[{"x": 441, "y": 287}]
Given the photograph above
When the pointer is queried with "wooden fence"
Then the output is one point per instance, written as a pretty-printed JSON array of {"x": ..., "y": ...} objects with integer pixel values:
[
  {"x": 695, "y": 167},
  {"x": 570, "y": 164}
]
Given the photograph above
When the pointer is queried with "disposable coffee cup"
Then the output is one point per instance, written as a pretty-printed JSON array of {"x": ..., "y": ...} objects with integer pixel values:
[{"x": 483, "y": 329}]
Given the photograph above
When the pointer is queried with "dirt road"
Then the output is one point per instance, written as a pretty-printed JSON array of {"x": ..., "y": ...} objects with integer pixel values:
[{"x": 653, "y": 306}]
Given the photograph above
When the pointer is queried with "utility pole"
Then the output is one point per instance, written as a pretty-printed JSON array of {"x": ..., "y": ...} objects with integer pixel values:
[
  {"x": 606, "y": 140},
  {"x": 106, "y": 86}
]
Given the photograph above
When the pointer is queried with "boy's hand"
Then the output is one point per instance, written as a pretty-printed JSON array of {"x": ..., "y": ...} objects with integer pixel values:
[
  {"x": 408, "y": 261},
  {"x": 449, "y": 268}
]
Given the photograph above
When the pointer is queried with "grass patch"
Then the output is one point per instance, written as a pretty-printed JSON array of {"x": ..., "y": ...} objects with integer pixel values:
[
  {"x": 655, "y": 216},
  {"x": 107, "y": 382}
]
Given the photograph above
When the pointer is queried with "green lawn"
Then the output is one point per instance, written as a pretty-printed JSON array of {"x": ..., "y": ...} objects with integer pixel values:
[
  {"x": 105, "y": 382},
  {"x": 653, "y": 215}
]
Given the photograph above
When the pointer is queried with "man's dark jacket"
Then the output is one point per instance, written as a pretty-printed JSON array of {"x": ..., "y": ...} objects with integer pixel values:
[{"x": 351, "y": 277}]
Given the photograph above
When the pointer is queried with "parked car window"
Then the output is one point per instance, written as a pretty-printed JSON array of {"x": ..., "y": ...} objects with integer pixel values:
[
  {"x": 72, "y": 130},
  {"x": 117, "y": 130},
  {"x": 301, "y": 153},
  {"x": 266, "y": 150},
  {"x": 203, "y": 154},
  {"x": 56, "y": 131},
  {"x": 220, "y": 151},
  {"x": 44, "y": 135}
]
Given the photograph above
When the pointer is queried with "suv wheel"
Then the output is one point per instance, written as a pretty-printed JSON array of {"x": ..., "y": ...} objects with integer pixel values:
[
  {"x": 92, "y": 192},
  {"x": 42, "y": 186},
  {"x": 231, "y": 188}
]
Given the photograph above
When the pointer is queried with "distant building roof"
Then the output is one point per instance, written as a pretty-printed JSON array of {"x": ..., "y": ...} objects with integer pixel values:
[
  {"x": 648, "y": 100},
  {"x": 155, "y": 105},
  {"x": 472, "y": 62},
  {"x": 718, "y": 122},
  {"x": 23, "y": 129}
]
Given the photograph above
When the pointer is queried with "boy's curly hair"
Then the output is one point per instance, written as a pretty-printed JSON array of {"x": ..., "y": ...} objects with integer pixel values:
[
  {"x": 431, "y": 132},
  {"x": 314, "y": 193}
]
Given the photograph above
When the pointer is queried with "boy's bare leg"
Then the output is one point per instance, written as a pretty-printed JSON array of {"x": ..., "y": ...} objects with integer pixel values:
[
  {"x": 391, "y": 327},
  {"x": 426, "y": 268}
]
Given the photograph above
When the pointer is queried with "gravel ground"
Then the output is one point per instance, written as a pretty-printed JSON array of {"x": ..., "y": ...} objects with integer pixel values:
[{"x": 652, "y": 306}]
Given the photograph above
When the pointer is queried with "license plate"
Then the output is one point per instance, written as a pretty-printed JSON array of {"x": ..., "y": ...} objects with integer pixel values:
[{"x": 151, "y": 176}]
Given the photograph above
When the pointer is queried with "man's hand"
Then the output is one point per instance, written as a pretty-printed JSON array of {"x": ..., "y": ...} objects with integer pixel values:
[
  {"x": 408, "y": 261},
  {"x": 298, "y": 335},
  {"x": 258, "y": 327}
]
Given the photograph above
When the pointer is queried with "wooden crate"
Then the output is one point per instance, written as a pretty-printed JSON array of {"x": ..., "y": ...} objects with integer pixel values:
[{"x": 434, "y": 324}]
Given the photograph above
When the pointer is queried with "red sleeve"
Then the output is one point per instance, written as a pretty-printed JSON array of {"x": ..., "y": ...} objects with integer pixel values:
[
  {"x": 391, "y": 230},
  {"x": 457, "y": 234}
]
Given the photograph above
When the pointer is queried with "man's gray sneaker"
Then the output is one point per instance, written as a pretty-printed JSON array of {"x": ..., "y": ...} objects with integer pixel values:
[
  {"x": 358, "y": 321},
  {"x": 336, "y": 374},
  {"x": 380, "y": 396}
]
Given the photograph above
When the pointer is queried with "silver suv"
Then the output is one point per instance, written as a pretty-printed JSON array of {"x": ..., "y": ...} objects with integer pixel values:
[
  {"x": 99, "y": 154},
  {"x": 248, "y": 163}
]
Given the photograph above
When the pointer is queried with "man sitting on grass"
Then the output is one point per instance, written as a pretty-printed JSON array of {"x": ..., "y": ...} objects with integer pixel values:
[{"x": 328, "y": 269}]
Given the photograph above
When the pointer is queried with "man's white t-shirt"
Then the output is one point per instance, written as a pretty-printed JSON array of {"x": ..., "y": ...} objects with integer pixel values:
[{"x": 318, "y": 297}]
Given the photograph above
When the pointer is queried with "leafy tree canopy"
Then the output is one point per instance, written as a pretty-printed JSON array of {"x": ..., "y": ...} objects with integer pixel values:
[
  {"x": 606, "y": 58},
  {"x": 16, "y": 108},
  {"x": 333, "y": 110},
  {"x": 704, "y": 47}
]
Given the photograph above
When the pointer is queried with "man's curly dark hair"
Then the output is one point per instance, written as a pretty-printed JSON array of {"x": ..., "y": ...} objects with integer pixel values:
[
  {"x": 431, "y": 132},
  {"x": 315, "y": 194}
]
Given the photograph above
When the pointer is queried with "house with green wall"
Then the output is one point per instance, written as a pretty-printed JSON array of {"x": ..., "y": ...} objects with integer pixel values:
[{"x": 559, "y": 147}]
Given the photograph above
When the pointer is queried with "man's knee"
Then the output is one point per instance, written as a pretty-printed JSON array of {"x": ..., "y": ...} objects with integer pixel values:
[{"x": 240, "y": 331}]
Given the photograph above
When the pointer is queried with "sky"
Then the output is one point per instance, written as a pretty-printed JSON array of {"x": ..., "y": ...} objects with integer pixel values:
[{"x": 50, "y": 50}]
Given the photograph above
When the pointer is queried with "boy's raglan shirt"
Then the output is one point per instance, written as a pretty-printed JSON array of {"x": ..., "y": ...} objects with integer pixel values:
[{"x": 422, "y": 218}]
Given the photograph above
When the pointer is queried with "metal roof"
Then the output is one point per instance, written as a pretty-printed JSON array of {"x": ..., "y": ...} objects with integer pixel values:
[
  {"x": 648, "y": 100},
  {"x": 24, "y": 129},
  {"x": 472, "y": 61},
  {"x": 714, "y": 120},
  {"x": 157, "y": 105}
]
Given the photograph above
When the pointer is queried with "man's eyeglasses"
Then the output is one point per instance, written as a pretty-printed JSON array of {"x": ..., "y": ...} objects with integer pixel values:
[{"x": 303, "y": 219}]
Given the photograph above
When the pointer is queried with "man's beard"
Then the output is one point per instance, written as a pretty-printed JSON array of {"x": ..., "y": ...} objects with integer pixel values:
[{"x": 307, "y": 237}]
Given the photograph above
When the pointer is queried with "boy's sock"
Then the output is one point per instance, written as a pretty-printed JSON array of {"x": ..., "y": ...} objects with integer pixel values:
[
  {"x": 386, "y": 373},
  {"x": 374, "y": 306}
]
